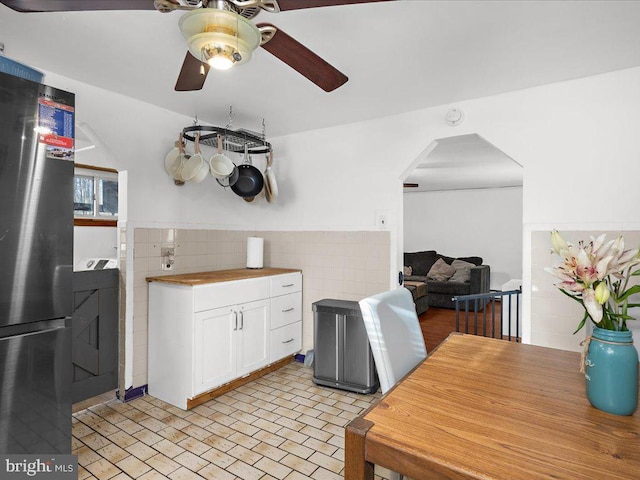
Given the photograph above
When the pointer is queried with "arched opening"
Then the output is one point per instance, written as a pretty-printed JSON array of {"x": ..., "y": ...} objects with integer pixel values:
[{"x": 463, "y": 198}]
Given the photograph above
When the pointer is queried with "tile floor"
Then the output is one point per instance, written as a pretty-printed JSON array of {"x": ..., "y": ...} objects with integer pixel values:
[{"x": 280, "y": 426}]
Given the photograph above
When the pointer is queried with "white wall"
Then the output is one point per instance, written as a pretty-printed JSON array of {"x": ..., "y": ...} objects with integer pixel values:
[
  {"x": 462, "y": 223},
  {"x": 100, "y": 242},
  {"x": 576, "y": 140}
]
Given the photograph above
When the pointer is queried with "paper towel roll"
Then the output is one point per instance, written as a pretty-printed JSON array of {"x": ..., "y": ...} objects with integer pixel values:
[{"x": 255, "y": 246}]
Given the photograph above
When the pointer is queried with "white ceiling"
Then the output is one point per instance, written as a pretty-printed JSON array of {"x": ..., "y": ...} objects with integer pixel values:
[
  {"x": 465, "y": 162},
  {"x": 399, "y": 56}
]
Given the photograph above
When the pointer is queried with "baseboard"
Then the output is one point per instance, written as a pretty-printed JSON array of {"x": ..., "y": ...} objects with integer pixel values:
[{"x": 216, "y": 392}]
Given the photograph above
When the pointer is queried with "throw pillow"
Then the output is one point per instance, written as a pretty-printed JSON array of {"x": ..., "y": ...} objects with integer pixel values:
[
  {"x": 441, "y": 271},
  {"x": 463, "y": 271},
  {"x": 407, "y": 271}
]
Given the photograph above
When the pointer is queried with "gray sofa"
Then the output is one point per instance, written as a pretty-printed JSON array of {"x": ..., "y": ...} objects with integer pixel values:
[{"x": 439, "y": 293}]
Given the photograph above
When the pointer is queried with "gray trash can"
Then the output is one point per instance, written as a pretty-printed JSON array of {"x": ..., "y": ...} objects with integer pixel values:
[{"x": 342, "y": 353}]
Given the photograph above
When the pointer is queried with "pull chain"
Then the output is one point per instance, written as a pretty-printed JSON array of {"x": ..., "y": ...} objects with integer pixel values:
[{"x": 230, "y": 124}]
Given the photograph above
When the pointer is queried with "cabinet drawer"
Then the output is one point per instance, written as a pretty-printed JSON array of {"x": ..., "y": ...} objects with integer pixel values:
[
  {"x": 283, "y": 284},
  {"x": 216, "y": 295},
  {"x": 285, "y": 341},
  {"x": 286, "y": 309}
]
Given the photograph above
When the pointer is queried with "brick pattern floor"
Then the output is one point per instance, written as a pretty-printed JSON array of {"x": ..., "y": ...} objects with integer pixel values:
[{"x": 280, "y": 426}]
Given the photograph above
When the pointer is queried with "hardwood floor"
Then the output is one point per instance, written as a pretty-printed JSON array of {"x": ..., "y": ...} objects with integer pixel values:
[{"x": 438, "y": 323}]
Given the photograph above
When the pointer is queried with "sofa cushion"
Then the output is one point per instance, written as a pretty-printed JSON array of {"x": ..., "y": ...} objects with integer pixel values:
[
  {"x": 418, "y": 289},
  {"x": 420, "y": 262},
  {"x": 440, "y": 271},
  {"x": 451, "y": 289},
  {"x": 477, "y": 261},
  {"x": 416, "y": 278},
  {"x": 463, "y": 271},
  {"x": 407, "y": 271}
]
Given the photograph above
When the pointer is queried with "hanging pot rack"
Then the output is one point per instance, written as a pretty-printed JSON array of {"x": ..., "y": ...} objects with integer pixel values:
[{"x": 237, "y": 141}]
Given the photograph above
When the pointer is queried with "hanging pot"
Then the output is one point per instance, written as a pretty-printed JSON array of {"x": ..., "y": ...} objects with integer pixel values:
[
  {"x": 171, "y": 157},
  {"x": 220, "y": 165},
  {"x": 250, "y": 180},
  {"x": 230, "y": 180},
  {"x": 195, "y": 169},
  {"x": 179, "y": 162}
]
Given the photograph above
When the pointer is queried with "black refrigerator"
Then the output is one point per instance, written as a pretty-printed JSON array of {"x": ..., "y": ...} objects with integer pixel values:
[{"x": 36, "y": 263}]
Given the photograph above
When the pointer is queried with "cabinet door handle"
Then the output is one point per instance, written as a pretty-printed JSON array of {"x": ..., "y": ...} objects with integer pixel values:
[
  {"x": 288, "y": 285},
  {"x": 235, "y": 317},
  {"x": 241, "y": 319},
  {"x": 288, "y": 341},
  {"x": 288, "y": 310}
]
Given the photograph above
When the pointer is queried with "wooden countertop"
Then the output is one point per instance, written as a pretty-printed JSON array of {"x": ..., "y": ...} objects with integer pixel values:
[{"x": 202, "y": 278}]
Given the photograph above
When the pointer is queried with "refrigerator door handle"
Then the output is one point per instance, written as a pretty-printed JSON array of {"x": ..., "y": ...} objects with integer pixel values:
[
  {"x": 23, "y": 329},
  {"x": 338, "y": 347}
]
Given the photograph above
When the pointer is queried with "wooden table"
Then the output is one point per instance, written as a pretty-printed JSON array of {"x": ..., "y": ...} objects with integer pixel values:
[{"x": 484, "y": 408}]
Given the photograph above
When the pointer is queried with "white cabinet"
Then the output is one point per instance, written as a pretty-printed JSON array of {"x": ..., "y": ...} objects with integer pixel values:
[
  {"x": 252, "y": 336},
  {"x": 285, "y": 337},
  {"x": 203, "y": 335},
  {"x": 285, "y": 340},
  {"x": 229, "y": 342}
]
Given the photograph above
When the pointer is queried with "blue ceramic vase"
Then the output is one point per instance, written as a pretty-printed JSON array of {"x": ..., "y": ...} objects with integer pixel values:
[{"x": 611, "y": 372}]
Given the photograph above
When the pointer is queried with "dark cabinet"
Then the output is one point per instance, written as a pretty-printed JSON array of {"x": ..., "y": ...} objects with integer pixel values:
[{"x": 94, "y": 329}]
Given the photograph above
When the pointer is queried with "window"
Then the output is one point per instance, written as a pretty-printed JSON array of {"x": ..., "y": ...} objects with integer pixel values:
[{"x": 95, "y": 196}]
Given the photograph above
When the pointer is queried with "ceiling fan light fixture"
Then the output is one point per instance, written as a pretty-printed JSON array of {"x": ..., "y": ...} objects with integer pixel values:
[
  {"x": 220, "y": 57},
  {"x": 222, "y": 38},
  {"x": 221, "y": 62}
]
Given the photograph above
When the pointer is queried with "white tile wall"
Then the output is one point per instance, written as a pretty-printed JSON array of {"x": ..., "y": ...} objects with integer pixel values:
[{"x": 344, "y": 265}]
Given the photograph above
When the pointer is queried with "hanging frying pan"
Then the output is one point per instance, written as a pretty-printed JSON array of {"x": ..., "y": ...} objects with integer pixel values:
[
  {"x": 270, "y": 185},
  {"x": 250, "y": 180}
]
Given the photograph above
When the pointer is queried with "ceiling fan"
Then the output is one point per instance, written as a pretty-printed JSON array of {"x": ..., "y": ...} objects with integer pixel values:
[{"x": 220, "y": 33}]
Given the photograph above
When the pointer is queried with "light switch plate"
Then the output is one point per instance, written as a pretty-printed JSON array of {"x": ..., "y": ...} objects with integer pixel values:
[{"x": 382, "y": 219}]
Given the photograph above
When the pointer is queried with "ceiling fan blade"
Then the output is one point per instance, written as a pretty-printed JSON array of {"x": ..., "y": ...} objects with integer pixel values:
[
  {"x": 190, "y": 77},
  {"x": 77, "y": 5},
  {"x": 303, "y": 60},
  {"x": 285, "y": 5}
]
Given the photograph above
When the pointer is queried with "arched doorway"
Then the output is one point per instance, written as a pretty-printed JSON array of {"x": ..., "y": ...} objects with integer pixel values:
[
  {"x": 463, "y": 198},
  {"x": 468, "y": 198}
]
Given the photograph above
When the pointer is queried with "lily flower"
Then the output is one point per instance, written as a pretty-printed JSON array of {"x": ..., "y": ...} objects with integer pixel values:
[
  {"x": 602, "y": 268},
  {"x": 594, "y": 309},
  {"x": 596, "y": 274},
  {"x": 602, "y": 293},
  {"x": 558, "y": 243}
]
